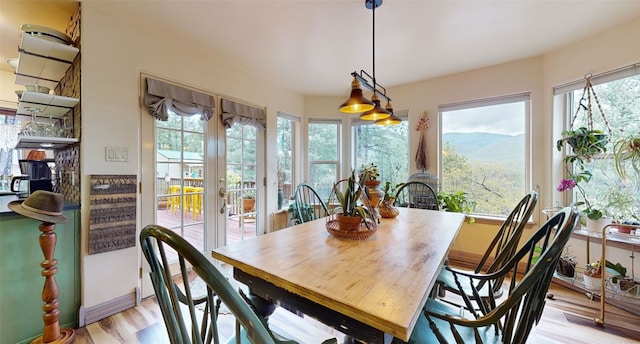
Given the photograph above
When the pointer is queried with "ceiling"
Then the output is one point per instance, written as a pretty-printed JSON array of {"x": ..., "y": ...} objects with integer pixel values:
[{"x": 312, "y": 46}]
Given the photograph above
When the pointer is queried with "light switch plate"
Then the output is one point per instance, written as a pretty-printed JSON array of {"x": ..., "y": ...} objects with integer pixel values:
[{"x": 116, "y": 154}]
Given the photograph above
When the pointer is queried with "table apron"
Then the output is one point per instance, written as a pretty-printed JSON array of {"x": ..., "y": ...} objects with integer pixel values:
[{"x": 329, "y": 317}]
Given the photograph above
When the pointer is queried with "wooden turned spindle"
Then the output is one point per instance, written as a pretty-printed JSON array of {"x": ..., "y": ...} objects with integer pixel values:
[{"x": 52, "y": 332}]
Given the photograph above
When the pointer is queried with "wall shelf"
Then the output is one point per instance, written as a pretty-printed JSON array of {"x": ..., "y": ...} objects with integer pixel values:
[
  {"x": 43, "y": 142},
  {"x": 43, "y": 62},
  {"x": 46, "y": 105}
]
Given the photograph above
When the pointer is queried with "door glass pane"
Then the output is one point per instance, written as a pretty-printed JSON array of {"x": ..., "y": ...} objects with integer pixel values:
[
  {"x": 241, "y": 182},
  {"x": 180, "y": 177}
]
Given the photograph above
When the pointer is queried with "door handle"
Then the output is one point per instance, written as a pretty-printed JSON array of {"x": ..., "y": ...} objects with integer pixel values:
[{"x": 222, "y": 193}]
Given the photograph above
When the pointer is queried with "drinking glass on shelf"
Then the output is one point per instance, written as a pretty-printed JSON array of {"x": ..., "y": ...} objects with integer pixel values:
[
  {"x": 48, "y": 129},
  {"x": 31, "y": 128},
  {"x": 64, "y": 131}
]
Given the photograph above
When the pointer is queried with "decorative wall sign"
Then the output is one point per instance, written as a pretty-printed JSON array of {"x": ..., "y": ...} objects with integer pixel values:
[{"x": 113, "y": 213}]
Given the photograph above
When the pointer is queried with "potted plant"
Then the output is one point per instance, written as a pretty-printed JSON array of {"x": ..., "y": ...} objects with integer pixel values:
[
  {"x": 368, "y": 175},
  {"x": 626, "y": 151},
  {"x": 593, "y": 273},
  {"x": 248, "y": 200},
  {"x": 621, "y": 207},
  {"x": 457, "y": 202},
  {"x": 306, "y": 213},
  {"x": 584, "y": 143},
  {"x": 350, "y": 213},
  {"x": 386, "y": 207}
]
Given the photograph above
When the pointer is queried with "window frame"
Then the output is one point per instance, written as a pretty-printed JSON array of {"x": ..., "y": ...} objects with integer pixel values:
[
  {"x": 564, "y": 100},
  {"x": 356, "y": 122},
  {"x": 339, "y": 153},
  {"x": 295, "y": 139},
  {"x": 525, "y": 97}
]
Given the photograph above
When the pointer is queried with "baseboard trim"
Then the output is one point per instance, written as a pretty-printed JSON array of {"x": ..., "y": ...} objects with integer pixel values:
[
  {"x": 463, "y": 260},
  {"x": 106, "y": 309}
]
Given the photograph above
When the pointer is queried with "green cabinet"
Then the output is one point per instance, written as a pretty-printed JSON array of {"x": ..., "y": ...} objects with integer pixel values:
[{"x": 21, "y": 282}]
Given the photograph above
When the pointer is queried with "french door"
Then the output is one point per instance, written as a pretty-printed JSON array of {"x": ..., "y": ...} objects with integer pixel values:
[
  {"x": 243, "y": 193},
  {"x": 200, "y": 180}
]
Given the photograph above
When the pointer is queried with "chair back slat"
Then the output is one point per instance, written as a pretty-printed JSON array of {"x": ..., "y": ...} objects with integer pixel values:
[
  {"x": 526, "y": 298},
  {"x": 530, "y": 269},
  {"x": 416, "y": 194},
  {"x": 196, "y": 326},
  {"x": 308, "y": 205},
  {"x": 505, "y": 243}
]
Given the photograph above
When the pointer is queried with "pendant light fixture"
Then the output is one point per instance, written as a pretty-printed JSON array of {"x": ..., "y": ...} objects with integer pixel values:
[
  {"x": 391, "y": 120},
  {"x": 357, "y": 103}
]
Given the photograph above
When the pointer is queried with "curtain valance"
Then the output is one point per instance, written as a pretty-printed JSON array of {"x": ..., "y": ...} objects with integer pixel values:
[
  {"x": 161, "y": 97},
  {"x": 234, "y": 112}
]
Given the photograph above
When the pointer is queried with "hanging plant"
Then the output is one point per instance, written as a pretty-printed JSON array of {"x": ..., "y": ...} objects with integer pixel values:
[
  {"x": 585, "y": 143},
  {"x": 626, "y": 150}
]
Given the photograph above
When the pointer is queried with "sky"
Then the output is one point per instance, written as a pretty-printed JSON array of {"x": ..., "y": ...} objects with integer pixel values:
[{"x": 508, "y": 119}]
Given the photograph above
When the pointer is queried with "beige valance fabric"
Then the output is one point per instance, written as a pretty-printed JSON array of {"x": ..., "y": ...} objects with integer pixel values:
[
  {"x": 234, "y": 112},
  {"x": 161, "y": 97}
]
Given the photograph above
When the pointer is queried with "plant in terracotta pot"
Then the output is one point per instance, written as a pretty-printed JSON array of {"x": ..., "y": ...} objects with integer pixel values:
[
  {"x": 248, "y": 200},
  {"x": 350, "y": 210},
  {"x": 368, "y": 175}
]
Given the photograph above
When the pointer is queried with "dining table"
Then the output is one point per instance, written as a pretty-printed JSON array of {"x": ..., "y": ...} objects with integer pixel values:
[{"x": 372, "y": 289}]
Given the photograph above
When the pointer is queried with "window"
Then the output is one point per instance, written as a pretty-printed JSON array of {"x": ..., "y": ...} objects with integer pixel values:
[
  {"x": 324, "y": 155},
  {"x": 618, "y": 93},
  {"x": 484, "y": 151},
  {"x": 385, "y": 146},
  {"x": 286, "y": 142}
]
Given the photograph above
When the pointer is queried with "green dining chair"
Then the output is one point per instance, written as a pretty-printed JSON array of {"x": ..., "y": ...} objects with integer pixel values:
[
  {"x": 416, "y": 194},
  {"x": 498, "y": 253},
  {"x": 185, "y": 323},
  {"x": 530, "y": 271},
  {"x": 308, "y": 205}
]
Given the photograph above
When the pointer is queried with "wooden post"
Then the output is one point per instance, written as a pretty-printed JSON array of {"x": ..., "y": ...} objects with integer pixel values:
[{"x": 52, "y": 332}]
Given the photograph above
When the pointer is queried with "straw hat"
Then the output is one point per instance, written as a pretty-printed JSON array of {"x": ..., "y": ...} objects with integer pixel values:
[{"x": 41, "y": 205}]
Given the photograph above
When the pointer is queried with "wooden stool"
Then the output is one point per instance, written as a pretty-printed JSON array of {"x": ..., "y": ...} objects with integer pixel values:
[
  {"x": 174, "y": 201},
  {"x": 193, "y": 201}
]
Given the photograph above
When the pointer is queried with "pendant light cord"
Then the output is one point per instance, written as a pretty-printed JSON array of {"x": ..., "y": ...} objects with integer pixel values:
[{"x": 373, "y": 9}]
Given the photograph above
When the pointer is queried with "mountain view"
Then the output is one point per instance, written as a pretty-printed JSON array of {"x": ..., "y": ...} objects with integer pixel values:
[{"x": 487, "y": 146}]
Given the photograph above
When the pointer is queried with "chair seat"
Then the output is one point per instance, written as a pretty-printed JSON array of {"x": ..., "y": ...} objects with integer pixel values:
[
  {"x": 423, "y": 333},
  {"x": 447, "y": 281}
]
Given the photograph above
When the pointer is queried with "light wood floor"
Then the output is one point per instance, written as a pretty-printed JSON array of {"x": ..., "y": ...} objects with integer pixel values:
[{"x": 567, "y": 318}]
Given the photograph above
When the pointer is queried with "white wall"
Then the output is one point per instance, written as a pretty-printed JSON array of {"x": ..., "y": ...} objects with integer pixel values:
[{"x": 113, "y": 55}]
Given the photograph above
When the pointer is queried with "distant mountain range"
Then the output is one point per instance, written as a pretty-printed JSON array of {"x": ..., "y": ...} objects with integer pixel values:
[{"x": 487, "y": 146}]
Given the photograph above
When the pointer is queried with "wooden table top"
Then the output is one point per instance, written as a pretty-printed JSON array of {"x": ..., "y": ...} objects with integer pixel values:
[{"x": 382, "y": 281}]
